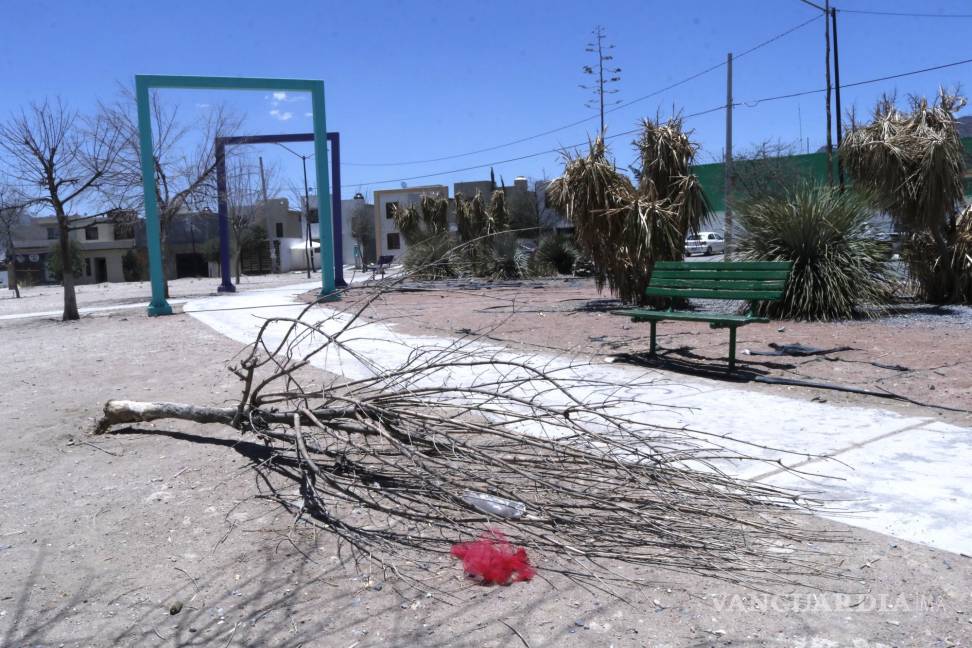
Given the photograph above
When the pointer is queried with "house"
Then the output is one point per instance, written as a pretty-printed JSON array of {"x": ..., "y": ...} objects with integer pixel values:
[
  {"x": 388, "y": 238},
  {"x": 103, "y": 243}
]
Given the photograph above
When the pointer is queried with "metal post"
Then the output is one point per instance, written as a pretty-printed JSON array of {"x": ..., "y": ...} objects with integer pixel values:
[
  {"x": 652, "y": 348},
  {"x": 335, "y": 140},
  {"x": 325, "y": 226},
  {"x": 732, "y": 348},
  {"x": 840, "y": 133},
  {"x": 727, "y": 163},
  {"x": 153, "y": 234},
  {"x": 223, "y": 209},
  {"x": 307, "y": 223}
]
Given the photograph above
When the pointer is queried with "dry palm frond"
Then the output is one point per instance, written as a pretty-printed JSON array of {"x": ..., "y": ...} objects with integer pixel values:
[
  {"x": 499, "y": 215},
  {"x": 624, "y": 229},
  {"x": 913, "y": 164}
]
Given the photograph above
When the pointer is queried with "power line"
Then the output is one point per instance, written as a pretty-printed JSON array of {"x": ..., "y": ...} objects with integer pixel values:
[
  {"x": 515, "y": 159},
  {"x": 903, "y": 14},
  {"x": 756, "y": 102},
  {"x": 744, "y": 104},
  {"x": 587, "y": 119}
]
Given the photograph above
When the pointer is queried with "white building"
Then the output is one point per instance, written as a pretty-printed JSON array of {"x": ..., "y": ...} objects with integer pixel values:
[{"x": 388, "y": 238}]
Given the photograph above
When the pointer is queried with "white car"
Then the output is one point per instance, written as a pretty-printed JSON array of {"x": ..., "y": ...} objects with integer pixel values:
[{"x": 704, "y": 243}]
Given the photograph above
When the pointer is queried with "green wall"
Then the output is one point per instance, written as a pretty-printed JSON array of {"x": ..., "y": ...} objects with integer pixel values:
[{"x": 811, "y": 166}]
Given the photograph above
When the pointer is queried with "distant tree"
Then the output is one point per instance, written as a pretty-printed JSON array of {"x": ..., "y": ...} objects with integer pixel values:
[
  {"x": 244, "y": 192},
  {"x": 524, "y": 212},
  {"x": 768, "y": 170},
  {"x": 363, "y": 231},
  {"x": 55, "y": 265},
  {"x": 60, "y": 158},
  {"x": 602, "y": 77},
  {"x": 132, "y": 266}
]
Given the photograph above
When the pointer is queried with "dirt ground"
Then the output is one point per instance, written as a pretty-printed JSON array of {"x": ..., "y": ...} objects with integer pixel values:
[
  {"x": 922, "y": 354},
  {"x": 101, "y": 536}
]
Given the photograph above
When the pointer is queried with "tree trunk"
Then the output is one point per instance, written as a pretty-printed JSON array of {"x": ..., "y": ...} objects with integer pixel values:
[
  {"x": 67, "y": 272},
  {"x": 12, "y": 272},
  {"x": 164, "y": 245}
]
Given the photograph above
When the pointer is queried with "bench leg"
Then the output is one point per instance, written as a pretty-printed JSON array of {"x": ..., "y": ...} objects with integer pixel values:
[
  {"x": 651, "y": 352},
  {"x": 732, "y": 348}
]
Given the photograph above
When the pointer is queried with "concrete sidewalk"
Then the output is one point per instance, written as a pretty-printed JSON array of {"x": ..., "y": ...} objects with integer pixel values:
[{"x": 907, "y": 476}]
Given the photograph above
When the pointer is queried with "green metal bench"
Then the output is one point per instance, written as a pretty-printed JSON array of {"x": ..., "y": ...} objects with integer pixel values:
[{"x": 751, "y": 281}]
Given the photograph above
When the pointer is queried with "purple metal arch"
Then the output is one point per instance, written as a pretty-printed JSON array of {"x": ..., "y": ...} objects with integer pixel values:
[{"x": 224, "y": 235}]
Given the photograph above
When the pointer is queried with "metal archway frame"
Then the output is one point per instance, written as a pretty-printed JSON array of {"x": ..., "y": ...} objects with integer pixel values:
[
  {"x": 337, "y": 227},
  {"x": 146, "y": 82}
]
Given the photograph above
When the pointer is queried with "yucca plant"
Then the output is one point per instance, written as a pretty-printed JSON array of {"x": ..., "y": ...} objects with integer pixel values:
[
  {"x": 425, "y": 228},
  {"x": 624, "y": 228},
  {"x": 838, "y": 267},
  {"x": 555, "y": 254},
  {"x": 912, "y": 162}
]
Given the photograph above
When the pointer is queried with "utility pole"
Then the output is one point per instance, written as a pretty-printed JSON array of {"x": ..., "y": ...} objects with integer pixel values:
[
  {"x": 830, "y": 142},
  {"x": 727, "y": 163},
  {"x": 263, "y": 181},
  {"x": 840, "y": 133}
]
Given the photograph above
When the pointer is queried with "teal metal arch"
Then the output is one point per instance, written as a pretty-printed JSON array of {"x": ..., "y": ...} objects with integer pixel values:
[{"x": 146, "y": 82}]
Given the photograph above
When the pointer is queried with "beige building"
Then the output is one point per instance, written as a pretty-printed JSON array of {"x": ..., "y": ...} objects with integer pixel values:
[
  {"x": 388, "y": 238},
  {"x": 103, "y": 244}
]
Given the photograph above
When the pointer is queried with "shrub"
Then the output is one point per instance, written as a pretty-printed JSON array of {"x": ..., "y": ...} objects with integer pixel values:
[
  {"x": 132, "y": 266},
  {"x": 555, "y": 254},
  {"x": 54, "y": 265},
  {"x": 432, "y": 257},
  {"x": 837, "y": 267}
]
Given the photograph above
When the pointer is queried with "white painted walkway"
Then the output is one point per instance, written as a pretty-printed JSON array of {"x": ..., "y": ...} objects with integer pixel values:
[
  {"x": 85, "y": 311},
  {"x": 910, "y": 476}
]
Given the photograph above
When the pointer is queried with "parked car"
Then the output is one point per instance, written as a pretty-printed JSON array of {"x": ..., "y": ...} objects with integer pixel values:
[{"x": 704, "y": 243}]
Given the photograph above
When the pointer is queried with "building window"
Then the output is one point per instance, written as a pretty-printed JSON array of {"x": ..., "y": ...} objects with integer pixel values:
[
  {"x": 91, "y": 233},
  {"x": 87, "y": 267},
  {"x": 51, "y": 233},
  {"x": 392, "y": 241},
  {"x": 390, "y": 209},
  {"x": 279, "y": 230}
]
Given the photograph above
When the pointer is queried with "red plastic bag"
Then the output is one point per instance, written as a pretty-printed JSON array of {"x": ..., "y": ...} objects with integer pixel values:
[{"x": 494, "y": 560}]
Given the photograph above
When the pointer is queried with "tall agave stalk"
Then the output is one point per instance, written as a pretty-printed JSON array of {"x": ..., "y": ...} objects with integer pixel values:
[
  {"x": 913, "y": 163},
  {"x": 625, "y": 228}
]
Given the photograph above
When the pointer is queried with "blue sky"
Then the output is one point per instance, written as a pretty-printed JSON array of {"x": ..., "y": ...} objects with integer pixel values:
[{"x": 416, "y": 80}]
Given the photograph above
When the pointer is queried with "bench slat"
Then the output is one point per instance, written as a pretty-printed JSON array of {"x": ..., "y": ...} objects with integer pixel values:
[
  {"x": 719, "y": 284},
  {"x": 659, "y": 315},
  {"x": 767, "y": 275},
  {"x": 749, "y": 295},
  {"x": 723, "y": 265}
]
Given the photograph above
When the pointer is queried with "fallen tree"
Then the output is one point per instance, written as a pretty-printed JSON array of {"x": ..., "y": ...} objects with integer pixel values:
[{"x": 402, "y": 462}]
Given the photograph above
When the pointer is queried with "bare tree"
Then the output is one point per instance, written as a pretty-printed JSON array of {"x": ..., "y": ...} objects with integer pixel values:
[
  {"x": 768, "y": 169},
  {"x": 244, "y": 193},
  {"x": 184, "y": 157},
  {"x": 60, "y": 158}
]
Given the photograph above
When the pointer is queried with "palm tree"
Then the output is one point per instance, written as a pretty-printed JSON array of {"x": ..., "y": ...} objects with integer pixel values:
[
  {"x": 912, "y": 162},
  {"x": 625, "y": 227}
]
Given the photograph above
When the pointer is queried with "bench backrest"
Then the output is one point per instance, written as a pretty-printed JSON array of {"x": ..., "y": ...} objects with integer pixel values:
[
  {"x": 744, "y": 280},
  {"x": 385, "y": 259}
]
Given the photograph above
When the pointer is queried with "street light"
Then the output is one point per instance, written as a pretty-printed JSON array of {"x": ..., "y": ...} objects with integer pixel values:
[{"x": 308, "y": 248}]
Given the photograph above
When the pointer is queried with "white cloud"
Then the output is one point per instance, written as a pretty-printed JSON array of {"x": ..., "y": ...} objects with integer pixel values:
[
  {"x": 202, "y": 105},
  {"x": 310, "y": 114},
  {"x": 280, "y": 96},
  {"x": 282, "y": 116}
]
